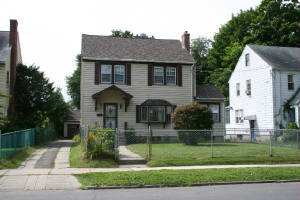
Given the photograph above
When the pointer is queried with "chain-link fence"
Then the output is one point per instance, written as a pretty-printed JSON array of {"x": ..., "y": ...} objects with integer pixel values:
[{"x": 14, "y": 142}]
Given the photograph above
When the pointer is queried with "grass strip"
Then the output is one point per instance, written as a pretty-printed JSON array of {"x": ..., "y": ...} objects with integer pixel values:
[
  {"x": 16, "y": 160},
  {"x": 187, "y": 177},
  {"x": 78, "y": 159}
]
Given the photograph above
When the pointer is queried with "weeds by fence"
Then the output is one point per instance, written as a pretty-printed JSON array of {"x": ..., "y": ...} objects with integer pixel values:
[{"x": 14, "y": 142}]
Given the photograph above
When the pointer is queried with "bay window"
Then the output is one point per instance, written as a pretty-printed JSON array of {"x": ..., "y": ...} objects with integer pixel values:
[{"x": 156, "y": 113}]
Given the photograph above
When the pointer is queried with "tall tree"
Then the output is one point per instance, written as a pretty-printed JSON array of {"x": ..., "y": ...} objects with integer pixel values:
[
  {"x": 73, "y": 84},
  {"x": 36, "y": 100},
  {"x": 199, "y": 50},
  {"x": 273, "y": 23}
]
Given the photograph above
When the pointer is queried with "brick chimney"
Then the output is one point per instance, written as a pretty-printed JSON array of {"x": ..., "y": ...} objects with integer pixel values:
[
  {"x": 13, "y": 41},
  {"x": 185, "y": 40}
]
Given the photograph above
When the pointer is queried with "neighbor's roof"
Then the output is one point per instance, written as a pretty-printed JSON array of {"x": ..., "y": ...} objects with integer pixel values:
[
  {"x": 208, "y": 92},
  {"x": 73, "y": 115},
  {"x": 4, "y": 46},
  {"x": 284, "y": 58},
  {"x": 134, "y": 50}
]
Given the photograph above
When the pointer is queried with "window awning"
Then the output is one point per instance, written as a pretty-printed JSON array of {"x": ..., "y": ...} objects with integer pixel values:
[
  {"x": 250, "y": 117},
  {"x": 156, "y": 102},
  {"x": 126, "y": 96}
]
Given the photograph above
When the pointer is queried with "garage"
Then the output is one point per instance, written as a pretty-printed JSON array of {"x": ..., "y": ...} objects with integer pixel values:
[{"x": 72, "y": 124}]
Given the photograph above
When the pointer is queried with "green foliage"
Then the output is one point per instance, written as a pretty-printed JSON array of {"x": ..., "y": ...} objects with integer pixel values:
[
  {"x": 128, "y": 34},
  {"x": 199, "y": 50},
  {"x": 76, "y": 139},
  {"x": 36, "y": 101},
  {"x": 272, "y": 23},
  {"x": 100, "y": 143},
  {"x": 73, "y": 84},
  {"x": 192, "y": 117},
  {"x": 290, "y": 135}
]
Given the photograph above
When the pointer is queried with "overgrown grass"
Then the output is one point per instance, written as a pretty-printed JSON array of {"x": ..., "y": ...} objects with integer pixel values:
[
  {"x": 78, "y": 159},
  {"x": 177, "y": 154},
  {"x": 187, "y": 177},
  {"x": 16, "y": 160}
]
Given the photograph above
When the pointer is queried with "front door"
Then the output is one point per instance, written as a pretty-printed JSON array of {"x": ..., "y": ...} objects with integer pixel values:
[{"x": 110, "y": 118}]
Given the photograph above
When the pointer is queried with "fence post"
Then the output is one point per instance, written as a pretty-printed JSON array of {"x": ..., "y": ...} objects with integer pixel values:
[
  {"x": 298, "y": 132},
  {"x": 211, "y": 144},
  {"x": 270, "y": 133},
  {"x": 116, "y": 143},
  {"x": 150, "y": 144}
]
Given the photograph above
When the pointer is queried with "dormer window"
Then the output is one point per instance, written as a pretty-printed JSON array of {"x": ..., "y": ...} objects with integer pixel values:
[{"x": 247, "y": 59}]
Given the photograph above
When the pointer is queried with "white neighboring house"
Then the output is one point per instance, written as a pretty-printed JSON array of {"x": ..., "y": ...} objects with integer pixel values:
[{"x": 264, "y": 79}]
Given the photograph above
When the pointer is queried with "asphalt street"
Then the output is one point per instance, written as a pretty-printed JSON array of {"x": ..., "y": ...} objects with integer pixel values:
[{"x": 270, "y": 191}]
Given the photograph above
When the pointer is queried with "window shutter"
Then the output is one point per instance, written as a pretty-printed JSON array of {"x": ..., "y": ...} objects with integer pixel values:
[
  {"x": 97, "y": 73},
  {"x": 137, "y": 112},
  {"x": 179, "y": 75},
  {"x": 150, "y": 74},
  {"x": 128, "y": 74}
]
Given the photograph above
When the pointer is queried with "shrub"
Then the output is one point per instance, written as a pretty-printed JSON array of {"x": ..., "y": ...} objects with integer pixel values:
[
  {"x": 76, "y": 139},
  {"x": 192, "y": 117},
  {"x": 291, "y": 133},
  {"x": 100, "y": 143}
]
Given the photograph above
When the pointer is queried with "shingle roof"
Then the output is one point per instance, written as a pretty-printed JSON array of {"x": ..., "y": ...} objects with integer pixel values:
[
  {"x": 286, "y": 58},
  {"x": 208, "y": 92},
  {"x": 4, "y": 46},
  {"x": 134, "y": 50},
  {"x": 73, "y": 115}
]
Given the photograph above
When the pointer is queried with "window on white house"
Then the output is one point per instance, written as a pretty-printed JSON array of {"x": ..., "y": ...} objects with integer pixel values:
[
  {"x": 106, "y": 73},
  {"x": 158, "y": 75},
  {"x": 157, "y": 113},
  {"x": 290, "y": 82},
  {"x": 291, "y": 112},
  {"x": 171, "y": 75},
  {"x": 238, "y": 90},
  {"x": 239, "y": 116},
  {"x": 247, "y": 59},
  {"x": 144, "y": 113},
  {"x": 119, "y": 71},
  {"x": 248, "y": 86}
]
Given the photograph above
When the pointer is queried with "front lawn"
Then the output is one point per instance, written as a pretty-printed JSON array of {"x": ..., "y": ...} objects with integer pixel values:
[
  {"x": 187, "y": 177},
  {"x": 78, "y": 159},
  {"x": 178, "y": 154}
]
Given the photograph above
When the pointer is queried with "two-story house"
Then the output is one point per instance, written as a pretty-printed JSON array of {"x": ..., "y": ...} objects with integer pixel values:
[
  {"x": 264, "y": 88},
  {"x": 10, "y": 56},
  {"x": 130, "y": 83}
]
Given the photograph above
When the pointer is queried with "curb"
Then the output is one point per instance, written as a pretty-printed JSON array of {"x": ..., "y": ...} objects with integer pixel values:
[{"x": 185, "y": 185}]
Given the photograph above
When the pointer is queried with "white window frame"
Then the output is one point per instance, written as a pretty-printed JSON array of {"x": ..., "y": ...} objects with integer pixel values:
[
  {"x": 158, "y": 67},
  {"x": 247, "y": 59},
  {"x": 248, "y": 87},
  {"x": 239, "y": 116},
  {"x": 115, "y": 73},
  {"x": 167, "y": 71},
  {"x": 102, "y": 73},
  {"x": 238, "y": 89},
  {"x": 164, "y": 115},
  {"x": 141, "y": 113}
]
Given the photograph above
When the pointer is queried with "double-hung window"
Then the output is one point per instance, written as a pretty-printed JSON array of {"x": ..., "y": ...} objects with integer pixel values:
[
  {"x": 248, "y": 84},
  {"x": 290, "y": 82},
  {"x": 171, "y": 75},
  {"x": 247, "y": 59},
  {"x": 215, "y": 110},
  {"x": 238, "y": 91},
  {"x": 158, "y": 77},
  {"x": 106, "y": 73},
  {"x": 119, "y": 72},
  {"x": 239, "y": 116}
]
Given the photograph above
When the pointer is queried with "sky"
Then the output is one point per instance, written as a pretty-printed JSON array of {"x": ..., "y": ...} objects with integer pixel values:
[{"x": 50, "y": 31}]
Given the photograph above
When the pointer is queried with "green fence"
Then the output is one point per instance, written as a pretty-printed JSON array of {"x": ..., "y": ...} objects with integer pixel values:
[{"x": 14, "y": 142}]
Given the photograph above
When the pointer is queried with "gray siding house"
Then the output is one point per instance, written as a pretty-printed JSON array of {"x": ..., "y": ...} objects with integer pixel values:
[{"x": 130, "y": 83}]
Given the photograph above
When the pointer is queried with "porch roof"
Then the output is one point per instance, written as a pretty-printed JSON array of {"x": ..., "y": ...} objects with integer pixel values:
[
  {"x": 127, "y": 96},
  {"x": 156, "y": 102}
]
